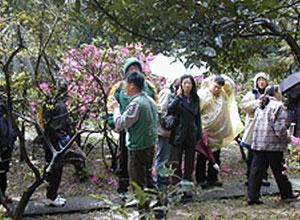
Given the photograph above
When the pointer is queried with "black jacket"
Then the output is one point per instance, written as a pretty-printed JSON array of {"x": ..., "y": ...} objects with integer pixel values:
[
  {"x": 188, "y": 131},
  {"x": 57, "y": 121}
]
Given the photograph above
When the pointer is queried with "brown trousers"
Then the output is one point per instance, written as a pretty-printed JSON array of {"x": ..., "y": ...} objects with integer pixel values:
[{"x": 139, "y": 167}]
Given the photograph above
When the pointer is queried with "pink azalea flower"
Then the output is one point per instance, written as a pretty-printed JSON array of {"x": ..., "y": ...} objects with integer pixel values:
[
  {"x": 93, "y": 115},
  {"x": 295, "y": 139},
  {"x": 94, "y": 177},
  {"x": 215, "y": 213}
]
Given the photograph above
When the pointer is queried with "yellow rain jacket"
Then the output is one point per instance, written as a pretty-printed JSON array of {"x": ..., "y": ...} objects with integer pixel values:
[{"x": 219, "y": 114}]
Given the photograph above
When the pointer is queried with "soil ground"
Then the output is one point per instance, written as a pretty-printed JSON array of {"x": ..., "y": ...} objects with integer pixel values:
[{"x": 102, "y": 181}]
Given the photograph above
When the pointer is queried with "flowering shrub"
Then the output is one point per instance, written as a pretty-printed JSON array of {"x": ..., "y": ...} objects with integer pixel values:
[
  {"x": 92, "y": 71},
  {"x": 293, "y": 154}
]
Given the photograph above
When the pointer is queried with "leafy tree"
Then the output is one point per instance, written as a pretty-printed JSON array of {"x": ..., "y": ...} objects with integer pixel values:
[
  {"x": 226, "y": 34},
  {"x": 32, "y": 42}
]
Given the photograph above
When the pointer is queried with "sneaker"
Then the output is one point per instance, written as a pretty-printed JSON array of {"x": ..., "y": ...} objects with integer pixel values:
[
  {"x": 132, "y": 203},
  {"x": 291, "y": 198},
  {"x": 58, "y": 202},
  {"x": 61, "y": 198}
]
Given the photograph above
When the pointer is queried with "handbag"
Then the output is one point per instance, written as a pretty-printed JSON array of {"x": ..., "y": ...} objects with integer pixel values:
[
  {"x": 169, "y": 122},
  {"x": 248, "y": 133},
  {"x": 73, "y": 154}
]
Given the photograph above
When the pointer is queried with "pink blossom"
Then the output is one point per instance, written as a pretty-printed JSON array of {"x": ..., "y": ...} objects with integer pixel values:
[
  {"x": 215, "y": 213},
  {"x": 284, "y": 172},
  {"x": 238, "y": 87},
  {"x": 286, "y": 166},
  {"x": 94, "y": 177},
  {"x": 45, "y": 87},
  {"x": 93, "y": 115},
  {"x": 295, "y": 139},
  {"x": 83, "y": 108}
]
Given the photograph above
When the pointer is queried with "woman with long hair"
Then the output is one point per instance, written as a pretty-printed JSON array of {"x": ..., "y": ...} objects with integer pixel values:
[{"x": 188, "y": 132}]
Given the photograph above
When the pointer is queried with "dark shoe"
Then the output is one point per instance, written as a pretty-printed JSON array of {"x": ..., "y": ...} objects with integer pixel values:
[
  {"x": 254, "y": 201},
  {"x": 8, "y": 200},
  {"x": 122, "y": 196},
  {"x": 291, "y": 198},
  {"x": 265, "y": 182},
  {"x": 187, "y": 195},
  {"x": 214, "y": 183},
  {"x": 246, "y": 183},
  {"x": 203, "y": 185}
]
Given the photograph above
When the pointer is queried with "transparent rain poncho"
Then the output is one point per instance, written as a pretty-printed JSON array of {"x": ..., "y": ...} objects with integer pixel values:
[{"x": 219, "y": 114}]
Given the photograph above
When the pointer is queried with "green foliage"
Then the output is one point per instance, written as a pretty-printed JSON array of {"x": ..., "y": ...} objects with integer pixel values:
[
  {"x": 160, "y": 201},
  {"x": 226, "y": 34},
  {"x": 112, "y": 205},
  {"x": 3, "y": 217}
]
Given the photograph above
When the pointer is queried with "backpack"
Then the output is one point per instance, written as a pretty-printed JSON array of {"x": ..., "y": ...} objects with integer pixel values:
[{"x": 7, "y": 134}]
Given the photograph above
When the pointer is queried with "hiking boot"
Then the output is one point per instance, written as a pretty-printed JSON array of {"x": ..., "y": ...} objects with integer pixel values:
[{"x": 58, "y": 202}]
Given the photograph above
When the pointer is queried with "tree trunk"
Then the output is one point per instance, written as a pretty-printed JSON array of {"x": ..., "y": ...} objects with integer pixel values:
[{"x": 25, "y": 198}]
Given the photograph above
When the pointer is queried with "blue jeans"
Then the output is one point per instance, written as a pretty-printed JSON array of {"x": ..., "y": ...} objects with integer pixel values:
[{"x": 163, "y": 156}]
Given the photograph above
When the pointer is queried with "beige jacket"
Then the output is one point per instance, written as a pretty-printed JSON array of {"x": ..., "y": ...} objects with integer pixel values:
[{"x": 164, "y": 98}]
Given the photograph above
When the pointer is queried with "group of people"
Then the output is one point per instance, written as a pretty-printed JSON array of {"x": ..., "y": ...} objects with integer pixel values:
[{"x": 135, "y": 110}]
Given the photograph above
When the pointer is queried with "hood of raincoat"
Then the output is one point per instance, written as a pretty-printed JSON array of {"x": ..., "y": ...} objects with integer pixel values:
[
  {"x": 260, "y": 75},
  {"x": 170, "y": 82},
  {"x": 131, "y": 61}
]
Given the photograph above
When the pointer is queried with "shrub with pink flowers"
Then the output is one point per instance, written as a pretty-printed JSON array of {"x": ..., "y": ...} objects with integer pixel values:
[
  {"x": 293, "y": 154},
  {"x": 92, "y": 71}
]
